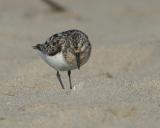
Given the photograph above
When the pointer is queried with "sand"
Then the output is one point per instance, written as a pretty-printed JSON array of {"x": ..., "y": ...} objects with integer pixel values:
[{"x": 118, "y": 88}]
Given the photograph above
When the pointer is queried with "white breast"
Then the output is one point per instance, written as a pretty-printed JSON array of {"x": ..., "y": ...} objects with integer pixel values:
[{"x": 57, "y": 61}]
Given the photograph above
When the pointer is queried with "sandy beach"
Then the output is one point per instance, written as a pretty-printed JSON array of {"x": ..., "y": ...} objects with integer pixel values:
[{"x": 119, "y": 87}]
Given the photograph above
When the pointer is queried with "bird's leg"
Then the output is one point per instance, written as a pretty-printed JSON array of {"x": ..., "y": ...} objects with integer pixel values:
[
  {"x": 69, "y": 75},
  {"x": 59, "y": 78}
]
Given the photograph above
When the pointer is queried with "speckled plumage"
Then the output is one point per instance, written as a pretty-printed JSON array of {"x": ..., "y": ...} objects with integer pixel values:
[{"x": 60, "y": 50}]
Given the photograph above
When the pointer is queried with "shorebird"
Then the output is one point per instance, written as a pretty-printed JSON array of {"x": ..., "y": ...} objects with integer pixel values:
[{"x": 65, "y": 51}]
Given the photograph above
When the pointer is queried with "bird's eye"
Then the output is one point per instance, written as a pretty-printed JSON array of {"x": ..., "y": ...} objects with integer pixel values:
[{"x": 82, "y": 44}]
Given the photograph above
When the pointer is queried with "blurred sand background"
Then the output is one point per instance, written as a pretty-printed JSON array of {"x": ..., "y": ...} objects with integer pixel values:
[{"x": 118, "y": 88}]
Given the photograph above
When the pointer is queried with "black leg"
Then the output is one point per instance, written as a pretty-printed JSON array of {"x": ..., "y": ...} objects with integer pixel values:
[
  {"x": 69, "y": 75},
  {"x": 59, "y": 78}
]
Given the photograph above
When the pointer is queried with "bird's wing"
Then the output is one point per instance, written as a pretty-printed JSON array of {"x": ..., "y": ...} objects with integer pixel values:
[{"x": 52, "y": 46}]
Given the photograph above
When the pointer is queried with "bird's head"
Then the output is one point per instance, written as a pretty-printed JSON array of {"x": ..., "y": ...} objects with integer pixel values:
[{"x": 78, "y": 45}]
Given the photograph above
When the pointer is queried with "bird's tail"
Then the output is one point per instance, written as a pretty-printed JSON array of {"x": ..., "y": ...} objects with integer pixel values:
[
  {"x": 38, "y": 47},
  {"x": 35, "y": 47}
]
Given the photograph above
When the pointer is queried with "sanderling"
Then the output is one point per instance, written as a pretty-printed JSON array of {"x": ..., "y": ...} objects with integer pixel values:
[{"x": 65, "y": 51}]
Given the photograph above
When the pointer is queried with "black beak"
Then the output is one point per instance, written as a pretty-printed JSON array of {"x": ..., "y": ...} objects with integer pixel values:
[{"x": 78, "y": 60}]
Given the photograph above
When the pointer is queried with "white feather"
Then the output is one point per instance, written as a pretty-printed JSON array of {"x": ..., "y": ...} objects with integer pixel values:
[{"x": 57, "y": 61}]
